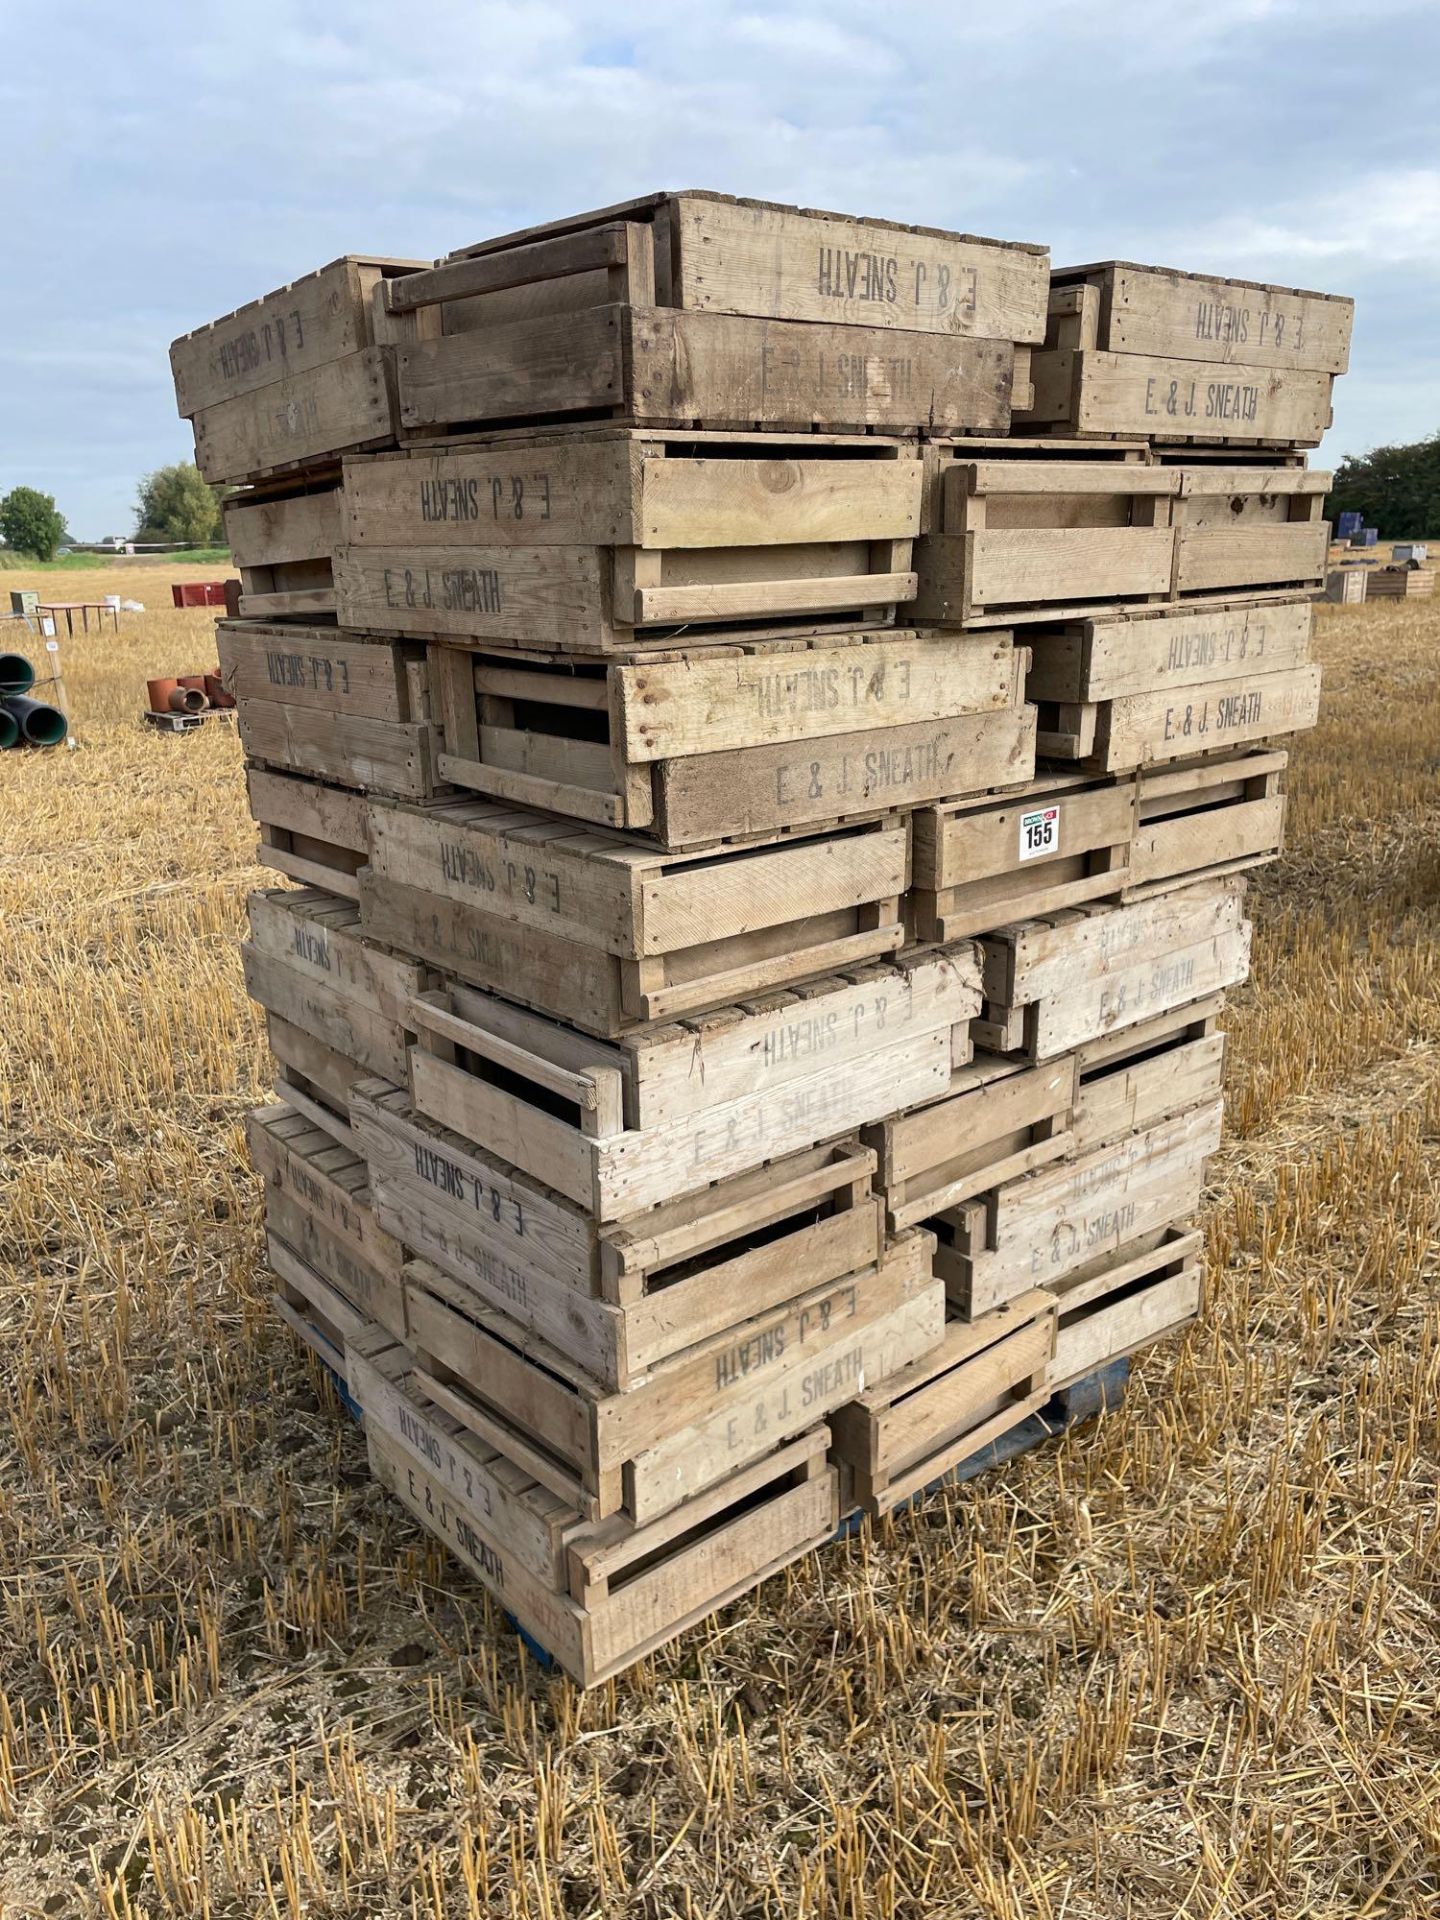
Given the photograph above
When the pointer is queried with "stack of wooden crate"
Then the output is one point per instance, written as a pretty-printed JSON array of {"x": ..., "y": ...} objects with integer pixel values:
[
  {"x": 1155, "y": 542},
  {"x": 724, "y": 1079}
]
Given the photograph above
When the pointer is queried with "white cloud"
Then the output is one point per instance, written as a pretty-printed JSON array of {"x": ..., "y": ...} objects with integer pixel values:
[
  {"x": 226, "y": 150},
  {"x": 1379, "y": 219}
]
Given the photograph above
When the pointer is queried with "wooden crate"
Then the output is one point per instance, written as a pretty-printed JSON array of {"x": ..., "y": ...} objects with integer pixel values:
[
  {"x": 330, "y": 1112},
  {"x": 305, "y": 960},
  {"x": 304, "y": 421},
  {"x": 996, "y": 1120},
  {"x": 732, "y": 741},
  {"x": 1192, "y": 316},
  {"x": 311, "y": 832},
  {"x": 594, "y": 540},
  {"x": 299, "y": 329},
  {"x": 608, "y": 933},
  {"x": 1083, "y": 387},
  {"x": 318, "y": 1201},
  {"x": 283, "y": 538},
  {"x": 1055, "y": 842},
  {"x": 319, "y": 1074},
  {"x": 1126, "y": 1300},
  {"x": 293, "y": 380},
  {"x": 1206, "y": 817},
  {"x": 312, "y": 1307},
  {"x": 687, "y": 308},
  {"x": 1148, "y": 729},
  {"x": 696, "y": 1418},
  {"x": 1130, "y": 1080},
  {"x": 317, "y": 701},
  {"x": 907, "y": 1431},
  {"x": 1034, "y": 1230},
  {"x": 1010, "y": 540},
  {"x": 1400, "y": 583},
  {"x": 658, "y": 367},
  {"x": 616, "y": 1299},
  {"x": 1104, "y": 656},
  {"x": 1345, "y": 586},
  {"x": 708, "y": 252},
  {"x": 596, "y": 1596},
  {"x": 621, "y": 1127},
  {"x": 1062, "y": 979}
]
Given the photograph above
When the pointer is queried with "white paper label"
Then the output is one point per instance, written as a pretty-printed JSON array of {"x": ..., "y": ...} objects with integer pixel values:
[{"x": 1039, "y": 833}]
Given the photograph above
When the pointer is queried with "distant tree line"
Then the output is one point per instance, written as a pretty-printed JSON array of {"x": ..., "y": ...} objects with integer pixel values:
[
  {"x": 1396, "y": 489},
  {"x": 175, "y": 503},
  {"x": 172, "y": 504}
]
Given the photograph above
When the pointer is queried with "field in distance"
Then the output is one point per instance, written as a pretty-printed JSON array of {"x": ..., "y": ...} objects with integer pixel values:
[{"x": 1182, "y": 1663}]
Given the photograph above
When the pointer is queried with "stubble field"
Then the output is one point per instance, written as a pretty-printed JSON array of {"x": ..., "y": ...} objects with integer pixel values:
[{"x": 1183, "y": 1663}]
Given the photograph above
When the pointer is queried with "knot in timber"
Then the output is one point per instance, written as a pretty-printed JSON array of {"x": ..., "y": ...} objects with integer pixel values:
[{"x": 779, "y": 476}]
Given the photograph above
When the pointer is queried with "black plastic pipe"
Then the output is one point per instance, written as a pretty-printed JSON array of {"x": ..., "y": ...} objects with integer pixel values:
[
  {"x": 16, "y": 674},
  {"x": 42, "y": 726}
]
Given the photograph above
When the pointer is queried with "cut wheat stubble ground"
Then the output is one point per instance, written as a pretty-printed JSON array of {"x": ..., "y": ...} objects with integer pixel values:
[{"x": 1183, "y": 1663}]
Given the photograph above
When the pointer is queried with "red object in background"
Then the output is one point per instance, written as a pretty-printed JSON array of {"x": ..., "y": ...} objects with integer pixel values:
[
  {"x": 199, "y": 593},
  {"x": 215, "y": 687}
]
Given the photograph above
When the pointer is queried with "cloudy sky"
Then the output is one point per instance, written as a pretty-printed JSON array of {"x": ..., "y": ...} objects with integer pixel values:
[{"x": 167, "y": 162}]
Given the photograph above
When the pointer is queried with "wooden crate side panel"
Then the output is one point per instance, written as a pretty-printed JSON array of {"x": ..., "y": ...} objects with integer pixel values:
[
  {"x": 329, "y": 1073},
  {"x": 1038, "y": 959},
  {"x": 968, "y": 1120},
  {"x": 1142, "y": 1092},
  {"x": 1219, "y": 559},
  {"x": 324, "y": 1180},
  {"x": 1141, "y": 990},
  {"x": 915, "y": 1427},
  {"x": 314, "y": 667},
  {"x": 312, "y": 933},
  {"x": 520, "y": 1219},
  {"x": 283, "y": 530},
  {"x": 757, "y": 789},
  {"x": 496, "y": 1495},
  {"x": 304, "y": 417},
  {"x": 1019, "y": 566},
  {"x": 680, "y": 1590},
  {"x": 550, "y": 1617},
  {"x": 374, "y": 1292},
  {"x": 334, "y": 1018},
  {"x": 785, "y": 500},
  {"x": 784, "y": 264},
  {"x": 295, "y": 805},
  {"x": 1184, "y": 317},
  {"x": 548, "y": 364},
  {"x": 1144, "y": 728},
  {"x": 625, "y": 1173},
  {"x": 1137, "y": 1318},
  {"x": 1180, "y": 648},
  {"x": 775, "y": 372},
  {"x": 295, "y": 330},
  {"x": 704, "y": 705},
  {"x": 1051, "y": 1222},
  {"x": 783, "y": 1399},
  {"x": 980, "y": 844},
  {"x": 578, "y": 982},
  {"x": 691, "y": 905},
  {"x": 506, "y": 495},
  {"x": 770, "y": 1042},
  {"x": 548, "y": 595},
  {"x": 1144, "y": 394},
  {"x": 1212, "y": 837},
  {"x": 389, "y": 757}
]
